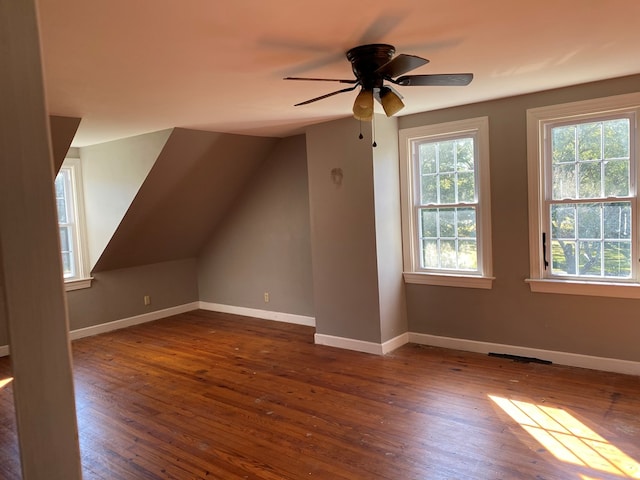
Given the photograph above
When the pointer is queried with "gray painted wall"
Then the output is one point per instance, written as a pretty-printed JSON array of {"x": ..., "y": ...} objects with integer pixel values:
[
  {"x": 343, "y": 231},
  {"x": 119, "y": 294},
  {"x": 386, "y": 173},
  {"x": 510, "y": 313},
  {"x": 262, "y": 244}
]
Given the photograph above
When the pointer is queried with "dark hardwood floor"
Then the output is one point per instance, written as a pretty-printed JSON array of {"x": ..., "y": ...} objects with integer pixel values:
[{"x": 212, "y": 396}]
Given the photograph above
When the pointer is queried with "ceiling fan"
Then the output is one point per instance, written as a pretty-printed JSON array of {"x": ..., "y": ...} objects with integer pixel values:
[{"x": 374, "y": 64}]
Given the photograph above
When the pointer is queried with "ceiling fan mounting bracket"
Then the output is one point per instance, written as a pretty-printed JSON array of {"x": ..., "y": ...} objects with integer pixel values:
[{"x": 366, "y": 59}]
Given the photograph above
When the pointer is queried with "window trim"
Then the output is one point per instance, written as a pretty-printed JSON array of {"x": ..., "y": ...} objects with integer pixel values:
[
  {"x": 82, "y": 279},
  {"x": 479, "y": 127},
  {"x": 537, "y": 118}
]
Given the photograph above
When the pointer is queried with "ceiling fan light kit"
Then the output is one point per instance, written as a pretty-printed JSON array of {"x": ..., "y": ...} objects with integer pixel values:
[
  {"x": 375, "y": 64},
  {"x": 363, "y": 105}
]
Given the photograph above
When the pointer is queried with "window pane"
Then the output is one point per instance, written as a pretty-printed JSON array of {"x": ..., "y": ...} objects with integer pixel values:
[
  {"x": 589, "y": 221},
  {"x": 589, "y": 259},
  {"x": 466, "y": 187},
  {"x": 466, "y": 222},
  {"x": 447, "y": 222},
  {"x": 429, "y": 222},
  {"x": 67, "y": 265},
  {"x": 448, "y": 254},
  {"x": 564, "y": 181},
  {"x": 563, "y": 257},
  {"x": 446, "y": 156},
  {"x": 429, "y": 190},
  {"x": 430, "y": 254},
  {"x": 427, "y": 158},
  {"x": 464, "y": 161},
  {"x": 590, "y": 141},
  {"x": 590, "y": 180},
  {"x": 563, "y": 221},
  {"x": 65, "y": 239},
  {"x": 467, "y": 255},
  {"x": 563, "y": 146},
  {"x": 617, "y": 259},
  {"x": 616, "y": 178},
  {"x": 447, "y": 188},
  {"x": 616, "y": 138},
  {"x": 61, "y": 202},
  {"x": 617, "y": 220}
]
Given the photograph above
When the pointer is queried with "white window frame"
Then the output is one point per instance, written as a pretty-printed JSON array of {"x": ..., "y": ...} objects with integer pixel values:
[
  {"x": 537, "y": 121},
  {"x": 76, "y": 208},
  {"x": 478, "y": 128}
]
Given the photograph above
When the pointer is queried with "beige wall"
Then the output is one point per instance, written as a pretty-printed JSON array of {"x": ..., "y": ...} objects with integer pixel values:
[
  {"x": 510, "y": 313},
  {"x": 262, "y": 243}
]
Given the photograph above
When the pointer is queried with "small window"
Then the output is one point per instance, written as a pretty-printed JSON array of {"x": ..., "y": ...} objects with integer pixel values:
[
  {"x": 68, "y": 191},
  {"x": 445, "y": 199},
  {"x": 583, "y": 209}
]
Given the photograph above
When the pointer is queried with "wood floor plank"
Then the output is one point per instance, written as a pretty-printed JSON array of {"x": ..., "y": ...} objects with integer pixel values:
[{"x": 215, "y": 396}]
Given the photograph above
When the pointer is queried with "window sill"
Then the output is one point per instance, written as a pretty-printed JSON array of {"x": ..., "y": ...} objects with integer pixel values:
[
  {"x": 464, "y": 281},
  {"x": 77, "y": 284},
  {"x": 576, "y": 287}
]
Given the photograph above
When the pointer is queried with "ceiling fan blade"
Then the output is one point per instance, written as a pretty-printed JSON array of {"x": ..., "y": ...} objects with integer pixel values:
[
  {"x": 326, "y": 95},
  {"x": 442, "y": 79},
  {"x": 322, "y": 79},
  {"x": 400, "y": 64}
]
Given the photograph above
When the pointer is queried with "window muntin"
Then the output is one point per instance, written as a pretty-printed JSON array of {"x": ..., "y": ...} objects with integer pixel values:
[
  {"x": 445, "y": 204},
  {"x": 590, "y": 210}
]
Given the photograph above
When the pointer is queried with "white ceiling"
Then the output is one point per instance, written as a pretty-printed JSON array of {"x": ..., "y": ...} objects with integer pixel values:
[{"x": 128, "y": 67}]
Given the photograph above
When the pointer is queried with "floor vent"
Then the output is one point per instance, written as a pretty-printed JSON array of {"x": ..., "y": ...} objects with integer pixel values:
[{"x": 519, "y": 359}]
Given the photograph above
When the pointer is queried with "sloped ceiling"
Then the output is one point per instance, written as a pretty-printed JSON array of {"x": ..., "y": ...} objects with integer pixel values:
[
  {"x": 193, "y": 182},
  {"x": 131, "y": 67}
]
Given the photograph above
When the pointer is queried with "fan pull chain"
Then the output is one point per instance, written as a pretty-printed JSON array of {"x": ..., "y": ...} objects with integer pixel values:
[
  {"x": 373, "y": 121},
  {"x": 360, "y": 136}
]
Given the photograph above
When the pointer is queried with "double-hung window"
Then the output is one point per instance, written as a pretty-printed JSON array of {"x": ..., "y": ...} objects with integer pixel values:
[
  {"x": 68, "y": 192},
  {"x": 583, "y": 169},
  {"x": 446, "y": 204}
]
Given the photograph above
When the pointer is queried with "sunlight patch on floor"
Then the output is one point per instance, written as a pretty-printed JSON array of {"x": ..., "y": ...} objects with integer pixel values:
[
  {"x": 568, "y": 439},
  {"x": 5, "y": 381}
]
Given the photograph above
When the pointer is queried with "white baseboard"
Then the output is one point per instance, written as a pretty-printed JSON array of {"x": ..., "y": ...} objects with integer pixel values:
[
  {"x": 361, "y": 345},
  {"x": 128, "y": 322},
  {"x": 397, "y": 342},
  {"x": 348, "y": 344},
  {"x": 562, "y": 358},
  {"x": 264, "y": 314},
  {"x": 4, "y": 350}
]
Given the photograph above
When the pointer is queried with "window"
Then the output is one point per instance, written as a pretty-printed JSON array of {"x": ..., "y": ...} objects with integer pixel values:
[
  {"x": 446, "y": 204},
  {"x": 583, "y": 197},
  {"x": 68, "y": 193}
]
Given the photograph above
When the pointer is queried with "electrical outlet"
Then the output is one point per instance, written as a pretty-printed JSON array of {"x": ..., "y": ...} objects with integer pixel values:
[
  {"x": 147, "y": 300},
  {"x": 266, "y": 297}
]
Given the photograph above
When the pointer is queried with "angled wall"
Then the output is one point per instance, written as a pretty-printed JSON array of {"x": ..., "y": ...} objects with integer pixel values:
[
  {"x": 194, "y": 180},
  {"x": 112, "y": 174},
  {"x": 62, "y": 129}
]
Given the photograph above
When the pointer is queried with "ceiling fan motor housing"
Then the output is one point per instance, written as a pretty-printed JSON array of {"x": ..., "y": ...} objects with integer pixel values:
[{"x": 366, "y": 59}]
